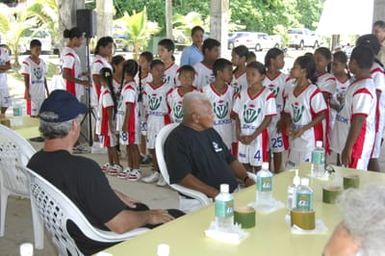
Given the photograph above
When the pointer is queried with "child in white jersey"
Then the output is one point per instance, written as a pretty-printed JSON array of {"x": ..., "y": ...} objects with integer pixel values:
[
  {"x": 34, "y": 70},
  {"x": 106, "y": 122},
  {"x": 175, "y": 97},
  {"x": 275, "y": 80},
  {"x": 166, "y": 48},
  {"x": 221, "y": 96},
  {"x": 238, "y": 59},
  {"x": 304, "y": 110},
  {"x": 117, "y": 63},
  {"x": 354, "y": 131},
  {"x": 204, "y": 69},
  {"x": 155, "y": 105},
  {"x": 253, "y": 110},
  {"x": 128, "y": 122}
]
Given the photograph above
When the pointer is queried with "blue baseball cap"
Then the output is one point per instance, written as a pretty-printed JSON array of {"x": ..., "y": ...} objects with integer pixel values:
[{"x": 64, "y": 104}]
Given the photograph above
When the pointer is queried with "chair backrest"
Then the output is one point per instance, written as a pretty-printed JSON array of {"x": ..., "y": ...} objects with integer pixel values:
[
  {"x": 14, "y": 150},
  {"x": 159, "y": 150}
]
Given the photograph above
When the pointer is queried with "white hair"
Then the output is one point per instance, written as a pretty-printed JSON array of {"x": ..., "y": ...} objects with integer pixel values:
[
  {"x": 197, "y": 98},
  {"x": 53, "y": 130},
  {"x": 364, "y": 217}
]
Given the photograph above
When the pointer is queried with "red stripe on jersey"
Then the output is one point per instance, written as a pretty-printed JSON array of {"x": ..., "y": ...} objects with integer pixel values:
[
  {"x": 381, "y": 70},
  {"x": 106, "y": 141},
  {"x": 98, "y": 89},
  {"x": 234, "y": 149},
  {"x": 331, "y": 79},
  {"x": 353, "y": 162},
  {"x": 265, "y": 145},
  {"x": 212, "y": 86},
  {"x": 273, "y": 78},
  {"x": 99, "y": 61},
  {"x": 131, "y": 126},
  {"x": 105, "y": 124},
  {"x": 270, "y": 96},
  {"x": 363, "y": 90},
  {"x": 256, "y": 96},
  {"x": 359, "y": 144},
  {"x": 166, "y": 119},
  {"x": 29, "y": 107},
  {"x": 318, "y": 128},
  {"x": 70, "y": 86},
  {"x": 377, "y": 115}
]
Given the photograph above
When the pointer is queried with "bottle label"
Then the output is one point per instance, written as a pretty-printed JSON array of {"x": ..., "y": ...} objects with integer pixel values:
[
  {"x": 224, "y": 209},
  {"x": 265, "y": 184},
  {"x": 317, "y": 157},
  {"x": 304, "y": 201}
]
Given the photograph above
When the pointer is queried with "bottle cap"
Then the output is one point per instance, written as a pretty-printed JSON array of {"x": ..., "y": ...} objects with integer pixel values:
[
  {"x": 265, "y": 166},
  {"x": 163, "y": 250},
  {"x": 224, "y": 188},
  {"x": 318, "y": 144},
  {"x": 26, "y": 249},
  {"x": 305, "y": 182},
  {"x": 296, "y": 179}
]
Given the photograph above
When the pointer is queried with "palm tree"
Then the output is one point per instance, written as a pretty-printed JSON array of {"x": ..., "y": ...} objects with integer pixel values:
[{"x": 138, "y": 29}]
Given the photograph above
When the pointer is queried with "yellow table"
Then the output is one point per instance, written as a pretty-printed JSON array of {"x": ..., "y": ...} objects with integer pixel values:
[{"x": 270, "y": 236}]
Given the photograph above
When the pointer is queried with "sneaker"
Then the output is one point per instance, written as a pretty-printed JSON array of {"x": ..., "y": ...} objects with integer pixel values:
[
  {"x": 134, "y": 175},
  {"x": 154, "y": 177},
  {"x": 145, "y": 160},
  {"x": 161, "y": 182},
  {"x": 105, "y": 167},
  {"x": 123, "y": 174},
  {"x": 80, "y": 149}
]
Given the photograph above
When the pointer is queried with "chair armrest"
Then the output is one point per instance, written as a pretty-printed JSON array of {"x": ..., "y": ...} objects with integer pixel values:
[
  {"x": 202, "y": 198},
  {"x": 111, "y": 237}
]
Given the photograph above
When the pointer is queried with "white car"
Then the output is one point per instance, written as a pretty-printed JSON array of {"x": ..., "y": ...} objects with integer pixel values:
[
  {"x": 253, "y": 40},
  {"x": 302, "y": 37}
]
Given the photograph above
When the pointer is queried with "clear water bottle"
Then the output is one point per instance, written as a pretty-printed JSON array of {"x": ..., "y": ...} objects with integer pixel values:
[
  {"x": 291, "y": 191},
  {"x": 304, "y": 196},
  {"x": 264, "y": 185},
  {"x": 318, "y": 160},
  {"x": 224, "y": 208},
  {"x": 163, "y": 250}
]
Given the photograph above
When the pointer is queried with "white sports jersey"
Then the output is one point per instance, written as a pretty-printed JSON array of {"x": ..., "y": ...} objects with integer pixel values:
[
  {"x": 204, "y": 75},
  {"x": 116, "y": 86},
  {"x": 222, "y": 104},
  {"x": 174, "y": 101},
  {"x": 378, "y": 75},
  {"x": 326, "y": 82},
  {"x": 360, "y": 99},
  {"x": 36, "y": 73},
  {"x": 70, "y": 60},
  {"x": 4, "y": 58},
  {"x": 251, "y": 112},
  {"x": 170, "y": 75},
  {"x": 342, "y": 87},
  {"x": 143, "y": 81},
  {"x": 102, "y": 121},
  {"x": 98, "y": 63},
  {"x": 302, "y": 109},
  {"x": 239, "y": 83}
]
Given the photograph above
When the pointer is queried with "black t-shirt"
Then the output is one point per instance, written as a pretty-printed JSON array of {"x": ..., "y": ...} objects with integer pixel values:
[
  {"x": 202, "y": 154},
  {"x": 82, "y": 181}
]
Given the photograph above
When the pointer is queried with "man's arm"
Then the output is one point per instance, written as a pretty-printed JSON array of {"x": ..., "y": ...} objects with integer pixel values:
[
  {"x": 67, "y": 76},
  {"x": 190, "y": 181},
  {"x": 241, "y": 173}
]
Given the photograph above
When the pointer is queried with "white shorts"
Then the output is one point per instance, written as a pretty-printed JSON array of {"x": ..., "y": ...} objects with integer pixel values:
[
  {"x": 129, "y": 138},
  {"x": 296, "y": 158},
  {"x": 108, "y": 141},
  {"x": 276, "y": 142},
  {"x": 251, "y": 154},
  {"x": 34, "y": 107},
  {"x": 5, "y": 99},
  {"x": 154, "y": 125}
]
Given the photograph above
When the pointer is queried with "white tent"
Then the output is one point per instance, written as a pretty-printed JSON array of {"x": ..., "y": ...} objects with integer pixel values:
[{"x": 346, "y": 17}]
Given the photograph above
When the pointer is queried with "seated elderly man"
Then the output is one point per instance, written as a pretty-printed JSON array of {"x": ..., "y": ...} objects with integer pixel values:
[
  {"x": 81, "y": 179},
  {"x": 362, "y": 230},
  {"x": 196, "y": 155}
]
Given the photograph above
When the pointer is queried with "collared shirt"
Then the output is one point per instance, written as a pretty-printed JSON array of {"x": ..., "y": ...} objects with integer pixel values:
[
  {"x": 191, "y": 55},
  {"x": 381, "y": 54}
]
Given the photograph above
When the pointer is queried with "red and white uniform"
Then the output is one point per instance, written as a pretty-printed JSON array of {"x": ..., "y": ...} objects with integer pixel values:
[
  {"x": 128, "y": 96},
  {"x": 36, "y": 73},
  {"x": 342, "y": 87},
  {"x": 98, "y": 63},
  {"x": 70, "y": 60},
  {"x": 326, "y": 82},
  {"x": 302, "y": 108},
  {"x": 251, "y": 112},
  {"x": 103, "y": 129},
  {"x": 276, "y": 86},
  {"x": 140, "y": 84},
  {"x": 174, "y": 101},
  {"x": 204, "y": 75},
  {"x": 155, "y": 104},
  {"x": 378, "y": 75},
  {"x": 222, "y": 104},
  {"x": 360, "y": 99},
  {"x": 170, "y": 75},
  {"x": 5, "y": 99},
  {"x": 116, "y": 86},
  {"x": 239, "y": 83}
]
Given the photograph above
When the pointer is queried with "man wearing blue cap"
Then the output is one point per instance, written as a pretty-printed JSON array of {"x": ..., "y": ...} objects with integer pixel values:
[{"x": 81, "y": 179}]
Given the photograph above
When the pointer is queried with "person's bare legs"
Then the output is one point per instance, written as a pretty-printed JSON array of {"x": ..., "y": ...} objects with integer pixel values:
[
  {"x": 135, "y": 156},
  {"x": 114, "y": 155},
  {"x": 143, "y": 150},
  {"x": 277, "y": 161},
  {"x": 374, "y": 165},
  {"x": 154, "y": 160},
  {"x": 129, "y": 157}
]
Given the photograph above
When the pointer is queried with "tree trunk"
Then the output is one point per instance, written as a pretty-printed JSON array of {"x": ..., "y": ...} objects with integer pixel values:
[
  {"x": 104, "y": 9},
  {"x": 219, "y": 20},
  {"x": 169, "y": 19}
]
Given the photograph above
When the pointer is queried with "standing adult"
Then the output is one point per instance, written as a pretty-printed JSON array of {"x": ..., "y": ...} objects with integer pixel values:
[
  {"x": 379, "y": 32},
  {"x": 193, "y": 54},
  {"x": 70, "y": 62}
]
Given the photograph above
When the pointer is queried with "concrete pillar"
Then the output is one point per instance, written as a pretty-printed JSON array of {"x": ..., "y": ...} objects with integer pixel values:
[
  {"x": 219, "y": 20},
  {"x": 379, "y": 10},
  {"x": 168, "y": 16},
  {"x": 104, "y": 14}
]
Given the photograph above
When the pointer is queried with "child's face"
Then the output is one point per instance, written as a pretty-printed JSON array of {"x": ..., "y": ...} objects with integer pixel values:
[
  {"x": 253, "y": 76},
  {"x": 353, "y": 66},
  {"x": 236, "y": 60},
  {"x": 106, "y": 51},
  {"x": 226, "y": 74},
  {"x": 338, "y": 67},
  {"x": 212, "y": 54},
  {"x": 143, "y": 63},
  {"x": 157, "y": 72},
  {"x": 297, "y": 72},
  {"x": 36, "y": 51},
  {"x": 278, "y": 62},
  {"x": 320, "y": 62},
  {"x": 379, "y": 33},
  {"x": 197, "y": 38},
  {"x": 186, "y": 78},
  {"x": 78, "y": 41},
  {"x": 119, "y": 67},
  {"x": 164, "y": 54}
]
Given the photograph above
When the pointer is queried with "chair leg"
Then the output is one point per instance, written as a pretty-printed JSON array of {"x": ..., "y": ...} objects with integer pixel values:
[
  {"x": 3, "y": 210},
  {"x": 38, "y": 227}
]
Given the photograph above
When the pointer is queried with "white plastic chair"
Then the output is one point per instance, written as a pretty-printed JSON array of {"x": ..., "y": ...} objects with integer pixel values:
[
  {"x": 159, "y": 150},
  {"x": 15, "y": 150},
  {"x": 55, "y": 209}
]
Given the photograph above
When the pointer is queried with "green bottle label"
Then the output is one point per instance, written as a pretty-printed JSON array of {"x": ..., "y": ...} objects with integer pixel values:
[
  {"x": 304, "y": 201},
  {"x": 264, "y": 184},
  {"x": 224, "y": 209},
  {"x": 317, "y": 157}
]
